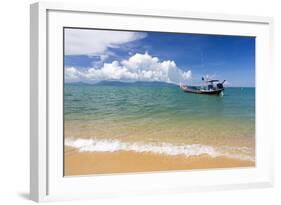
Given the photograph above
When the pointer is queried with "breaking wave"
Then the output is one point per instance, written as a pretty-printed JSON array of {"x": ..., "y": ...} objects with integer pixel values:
[{"x": 106, "y": 145}]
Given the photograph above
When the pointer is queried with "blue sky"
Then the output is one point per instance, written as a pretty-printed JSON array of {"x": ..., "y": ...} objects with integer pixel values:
[{"x": 93, "y": 55}]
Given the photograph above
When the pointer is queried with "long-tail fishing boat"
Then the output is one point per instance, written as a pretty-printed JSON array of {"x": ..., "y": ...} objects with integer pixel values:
[{"x": 211, "y": 87}]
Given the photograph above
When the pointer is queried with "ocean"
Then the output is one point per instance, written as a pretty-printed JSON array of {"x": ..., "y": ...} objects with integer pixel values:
[{"x": 152, "y": 117}]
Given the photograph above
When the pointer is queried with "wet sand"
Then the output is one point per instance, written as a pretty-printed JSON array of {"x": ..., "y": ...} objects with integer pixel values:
[{"x": 86, "y": 163}]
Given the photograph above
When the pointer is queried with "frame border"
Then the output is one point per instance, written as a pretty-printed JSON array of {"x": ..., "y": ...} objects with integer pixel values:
[{"x": 39, "y": 175}]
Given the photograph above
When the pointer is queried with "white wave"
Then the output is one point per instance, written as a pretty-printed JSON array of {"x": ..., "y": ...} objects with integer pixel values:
[{"x": 106, "y": 145}]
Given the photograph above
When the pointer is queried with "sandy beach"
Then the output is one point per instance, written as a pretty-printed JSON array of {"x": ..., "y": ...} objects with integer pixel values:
[{"x": 86, "y": 163}]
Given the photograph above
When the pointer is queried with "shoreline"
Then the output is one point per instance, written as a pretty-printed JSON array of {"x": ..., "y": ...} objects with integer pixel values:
[{"x": 87, "y": 163}]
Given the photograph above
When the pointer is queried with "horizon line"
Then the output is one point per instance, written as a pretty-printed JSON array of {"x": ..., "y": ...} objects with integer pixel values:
[{"x": 132, "y": 82}]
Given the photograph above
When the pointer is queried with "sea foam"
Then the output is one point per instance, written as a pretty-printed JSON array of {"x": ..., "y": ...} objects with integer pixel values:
[{"x": 112, "y": 145}]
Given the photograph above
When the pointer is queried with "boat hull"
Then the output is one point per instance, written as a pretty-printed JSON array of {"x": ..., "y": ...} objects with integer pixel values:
[{"x": 203, "y": 92}]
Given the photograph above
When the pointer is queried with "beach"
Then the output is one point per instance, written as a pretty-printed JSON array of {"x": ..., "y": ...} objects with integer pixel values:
[
  {"x": 87, "y": 163},
  {"x": 115, "y": 127}
]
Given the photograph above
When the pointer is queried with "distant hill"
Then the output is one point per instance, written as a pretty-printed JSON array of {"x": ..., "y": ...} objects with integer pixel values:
[
  {"x": 77, "y": 83},
  {"x": 123, "y": 83}
]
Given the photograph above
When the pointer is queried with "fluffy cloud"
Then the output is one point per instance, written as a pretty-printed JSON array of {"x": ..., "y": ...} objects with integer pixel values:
[
  {"x": 139, "y": 67},
  {"x": 96, "y": 42}
]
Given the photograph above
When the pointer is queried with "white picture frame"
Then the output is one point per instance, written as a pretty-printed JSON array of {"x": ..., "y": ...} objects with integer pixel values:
[{"x": 47, "y": 182}]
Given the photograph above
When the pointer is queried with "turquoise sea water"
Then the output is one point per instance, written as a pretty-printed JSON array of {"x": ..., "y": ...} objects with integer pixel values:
[{"x": 161, "y": 118}]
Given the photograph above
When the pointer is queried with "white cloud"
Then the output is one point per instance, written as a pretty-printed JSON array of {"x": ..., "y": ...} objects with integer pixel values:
[
  {"x": 139, "y": 67},
  {"x": 96, "y": 42}
]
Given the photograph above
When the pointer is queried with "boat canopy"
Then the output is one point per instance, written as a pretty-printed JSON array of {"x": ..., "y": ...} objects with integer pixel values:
[{"x": 211, "y": 81}]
